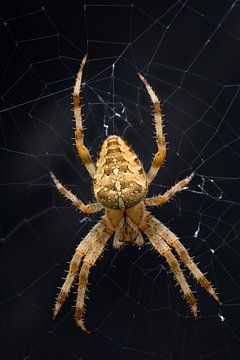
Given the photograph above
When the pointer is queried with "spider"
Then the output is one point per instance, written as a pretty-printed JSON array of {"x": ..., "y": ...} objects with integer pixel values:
[{"x": 120, "y": 185}]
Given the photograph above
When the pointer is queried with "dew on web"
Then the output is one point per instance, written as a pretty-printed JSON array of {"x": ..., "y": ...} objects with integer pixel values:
[{"x": 189, "y": 53}]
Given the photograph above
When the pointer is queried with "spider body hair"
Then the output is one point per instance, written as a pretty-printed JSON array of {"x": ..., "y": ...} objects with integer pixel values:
[{"x": 120, "y": 186}]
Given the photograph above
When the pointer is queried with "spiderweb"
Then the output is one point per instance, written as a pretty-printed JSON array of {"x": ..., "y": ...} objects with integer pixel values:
[{"x": 189, "y": 52}]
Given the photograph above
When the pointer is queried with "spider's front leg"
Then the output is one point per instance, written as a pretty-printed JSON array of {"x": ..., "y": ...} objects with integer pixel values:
[
  {"x": 162, "y": 199},
  {"x": 86, "y": 244},
  {"x": 172, "y": 240},
  {"x": 89, "y": 260},
  {"x": 162, "y": 240},
  {"x": 150, "y": 226}
]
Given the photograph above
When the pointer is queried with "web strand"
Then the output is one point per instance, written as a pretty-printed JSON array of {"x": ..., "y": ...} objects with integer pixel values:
[{"x": 188, "y": 51}]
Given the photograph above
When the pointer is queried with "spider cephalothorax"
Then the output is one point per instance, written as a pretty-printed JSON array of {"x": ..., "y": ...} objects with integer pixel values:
[{"x": 120, "y": 186}]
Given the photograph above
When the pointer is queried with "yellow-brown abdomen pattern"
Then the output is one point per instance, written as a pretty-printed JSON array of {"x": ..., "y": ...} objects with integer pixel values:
[{"x": 120, "y": 180}]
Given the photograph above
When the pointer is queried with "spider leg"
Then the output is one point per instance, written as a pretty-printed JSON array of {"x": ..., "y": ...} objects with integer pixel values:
[
  {"x": 159, "y": 157},
  {"x": 86, "y": 244},
  {"x": 152, "y": 231},
  {"x": 161, "y": 199},
  {"x": 87, "y": 209},
  {"x": 172, "y": 240},
  {"x": 88, "y": 261},
  {"x": 79, "y": 137}
]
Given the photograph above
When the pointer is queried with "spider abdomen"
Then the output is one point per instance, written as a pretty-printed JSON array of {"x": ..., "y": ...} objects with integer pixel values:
[{"x": 120, "y": 180}]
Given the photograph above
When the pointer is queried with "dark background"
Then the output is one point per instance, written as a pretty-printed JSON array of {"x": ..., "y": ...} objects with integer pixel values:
[{"x": 189, "y": 51}]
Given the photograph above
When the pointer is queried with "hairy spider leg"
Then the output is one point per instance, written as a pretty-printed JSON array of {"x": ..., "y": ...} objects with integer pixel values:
[
  {"x": 162, "y": 199},
  {"x": 79, "y": 136},
  {"x": 86, "y": 209},
  {"x": 88, "y": 261},
  {"x": 160, "y": 156},
  {"x": 86, "y": 244},
  {"x": 172, "y": 240},
  {"x": 151, "y": 230}
]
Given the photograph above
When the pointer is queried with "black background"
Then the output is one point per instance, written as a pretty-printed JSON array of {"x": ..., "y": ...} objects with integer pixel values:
[{"x": 189, "y": 52}]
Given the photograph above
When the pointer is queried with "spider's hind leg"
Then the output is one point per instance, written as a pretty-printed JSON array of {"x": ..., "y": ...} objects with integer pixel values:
[
  {"x": 79, "y": 137},
  {"x": 159, "y": 157}
]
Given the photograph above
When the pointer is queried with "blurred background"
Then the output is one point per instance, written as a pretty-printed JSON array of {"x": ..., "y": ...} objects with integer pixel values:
[{"x": 189, "y": 53}]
